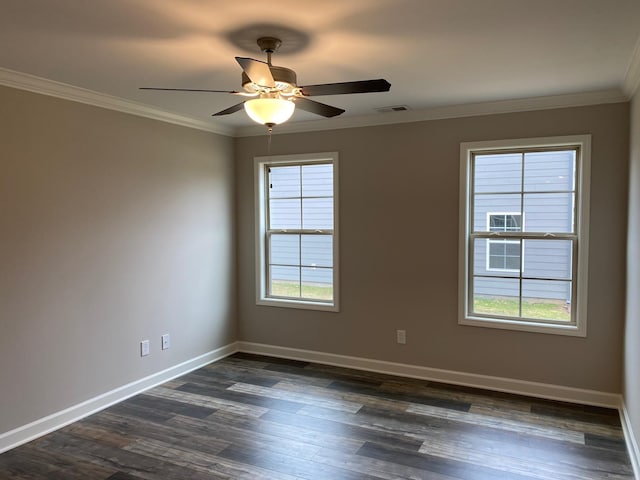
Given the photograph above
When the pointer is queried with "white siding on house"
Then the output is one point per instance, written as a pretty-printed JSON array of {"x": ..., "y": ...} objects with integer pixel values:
[
  {"x": 538, "y": 186},
  {"x": 301, "y": 198}
]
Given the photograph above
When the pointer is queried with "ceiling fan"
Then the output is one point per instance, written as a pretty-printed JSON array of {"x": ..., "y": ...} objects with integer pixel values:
[{"x": 273, "y": 92}]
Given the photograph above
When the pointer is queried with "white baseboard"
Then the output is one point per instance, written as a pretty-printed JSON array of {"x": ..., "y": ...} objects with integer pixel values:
[
  {"x": 631, "y": 439},
  {"x": 26, "y": 433},
  {"x": 509, "y": 385},
  {"x": 42, "y": 426}
]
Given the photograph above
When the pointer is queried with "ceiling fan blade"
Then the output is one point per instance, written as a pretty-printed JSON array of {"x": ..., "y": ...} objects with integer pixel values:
[
  {"x": 229, "y": 110},
  {"x": 317, "y": 107},
  {"x": 188, "y": 90},
  {"x": 257, "y": 71},
  {"x": 362, "y": 86}
]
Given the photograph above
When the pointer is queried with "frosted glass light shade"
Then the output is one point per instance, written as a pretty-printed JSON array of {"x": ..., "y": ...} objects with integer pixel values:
[{"x": 269, "y": 111}]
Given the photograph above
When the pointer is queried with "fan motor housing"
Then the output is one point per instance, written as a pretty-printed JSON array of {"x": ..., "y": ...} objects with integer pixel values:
[{"x": 285, "y": 79}]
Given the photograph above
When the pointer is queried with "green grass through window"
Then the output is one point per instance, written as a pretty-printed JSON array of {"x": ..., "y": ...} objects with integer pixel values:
[
  {"x": 313, "y": 291},
  {"x": 542, "y": 309}
]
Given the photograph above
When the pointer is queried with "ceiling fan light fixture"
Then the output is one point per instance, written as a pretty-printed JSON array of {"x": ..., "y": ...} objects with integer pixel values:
[
  {"x": 269, "y": 110},
  {"x": 284, "y": 81},
  {"x": 274, "y": 90}
]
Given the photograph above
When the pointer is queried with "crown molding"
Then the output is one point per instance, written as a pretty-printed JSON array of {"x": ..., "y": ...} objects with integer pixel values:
[
  {"x": 445, "y": 112},
  {"x": 32, "y": 83},
  {"x": 632, "y": 75}
]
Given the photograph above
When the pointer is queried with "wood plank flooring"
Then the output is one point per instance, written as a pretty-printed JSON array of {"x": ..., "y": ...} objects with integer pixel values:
[{"x": 255, "y": 417}]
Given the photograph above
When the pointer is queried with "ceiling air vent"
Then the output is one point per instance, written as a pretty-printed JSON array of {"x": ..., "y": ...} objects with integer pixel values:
[{"x": 394, "y": 108}]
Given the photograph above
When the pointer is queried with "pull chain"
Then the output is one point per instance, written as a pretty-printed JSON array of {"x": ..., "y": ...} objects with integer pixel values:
[{"x": 269, "y": 142}]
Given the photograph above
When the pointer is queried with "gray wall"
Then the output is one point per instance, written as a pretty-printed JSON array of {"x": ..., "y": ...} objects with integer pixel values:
[
  {"x": 631, "y": 389},
  {"x": 114, "y": 228},
  {"x": 399, "y": 250}
]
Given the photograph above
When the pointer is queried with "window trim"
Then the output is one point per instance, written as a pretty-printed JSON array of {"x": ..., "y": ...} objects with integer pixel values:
[
  {"x": 583, "y": 180},
  {"x": 261, "y": 211}
]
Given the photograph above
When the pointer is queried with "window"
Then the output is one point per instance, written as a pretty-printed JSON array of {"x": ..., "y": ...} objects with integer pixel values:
[
  {"x": 546, "y": 182},
  {"x": 503, "y": 255},
  {"x": 296, "y": 229}
]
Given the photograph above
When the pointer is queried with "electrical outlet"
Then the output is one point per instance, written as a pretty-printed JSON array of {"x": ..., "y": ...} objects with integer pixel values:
[
  {"x": 401, "y": 336},
  {"x": 166, "y": 341},
  {"x": 144, "y": 348}
]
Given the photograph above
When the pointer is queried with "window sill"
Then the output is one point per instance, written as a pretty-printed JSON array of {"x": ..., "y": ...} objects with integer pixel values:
[
  {"x": 524, "y": 326},
  {"x": 298, "y": 304}
]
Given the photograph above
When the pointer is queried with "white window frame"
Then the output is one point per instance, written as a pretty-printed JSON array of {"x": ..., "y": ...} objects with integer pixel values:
[
  {"x": 489, "y": 241},
  {"x": 261, "y": 164},
  {"x": 578, "y": 325}
]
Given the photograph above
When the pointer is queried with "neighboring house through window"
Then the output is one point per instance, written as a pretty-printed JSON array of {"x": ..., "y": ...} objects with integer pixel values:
[
  {"x": 297, "y": 231},
  {"x": 503, "y": 255},
  {"x": 544, "y": 181}
]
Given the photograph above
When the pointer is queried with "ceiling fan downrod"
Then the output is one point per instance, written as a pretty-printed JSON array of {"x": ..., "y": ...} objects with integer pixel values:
[{"x": 269, "y": 45}]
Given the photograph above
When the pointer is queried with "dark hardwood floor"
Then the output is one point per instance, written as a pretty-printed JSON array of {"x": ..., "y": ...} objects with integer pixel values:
[{"x": 255, "y": 417}]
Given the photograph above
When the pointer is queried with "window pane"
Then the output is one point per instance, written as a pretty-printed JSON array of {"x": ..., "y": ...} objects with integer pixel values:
[
  {"x": 480, "y": 250},
  {"x": 548, "y": 212},
  {"x": 549, "y": 259},
  {"x": 487, "y": 209},
  {"x": 496, "y": 258},
  {"x": 512, "y": 262},
  {"x": 497, "y": 173},
  {"x": 497, "y": 223},
  {"x": 496, "y": 296},
  {"x": 284, "y": 281},
  {"x": 504, "y": 255},
  {"x": 317, "y": 180},
  {"x": 317, "y": 250},
  {"x": 284, "y": 249},
  {"x": 505, "y": 222},
  {"x": 549, "y": 171},
  {"x": 284, "y": 182},
  {"x": 546, "y": 300},
  {"x": 284, "y": 213},
  {"x": 296, "y": 228},
  {"x": 317, "y": 283},
  {"x": 317, "y": 213}
]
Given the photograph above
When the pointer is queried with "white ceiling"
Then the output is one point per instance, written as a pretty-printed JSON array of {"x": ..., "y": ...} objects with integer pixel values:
[{"x": 435, "y": 53}]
